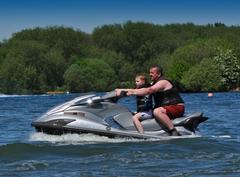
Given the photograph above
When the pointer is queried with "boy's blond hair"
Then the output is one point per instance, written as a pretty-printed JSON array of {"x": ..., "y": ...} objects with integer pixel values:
[{"x": 141, "y": 77}]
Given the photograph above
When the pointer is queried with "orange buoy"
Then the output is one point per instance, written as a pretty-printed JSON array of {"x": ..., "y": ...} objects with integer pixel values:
[{"x": 210, "y": 94}]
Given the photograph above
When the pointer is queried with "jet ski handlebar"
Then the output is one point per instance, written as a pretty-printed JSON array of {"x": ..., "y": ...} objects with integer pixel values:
[{"x": 109, "y": 96}]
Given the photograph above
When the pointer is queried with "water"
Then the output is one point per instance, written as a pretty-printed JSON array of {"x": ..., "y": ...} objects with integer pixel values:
[{"x": 23, "y": 152}]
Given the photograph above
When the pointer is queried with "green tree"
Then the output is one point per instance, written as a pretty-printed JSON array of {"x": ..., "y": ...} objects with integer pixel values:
[
  {"x": 68, "y": 40},
  {"x": 89, "y": 74},
  {"x": 229, "y": 66},
  {"x": 24, "y": 59},
  {"x": 110, "y": 37},
  {"x": 143, "y": 41},
  {"x": 204, "y": 76},
  {"x": 73, "y": 79},
  {"x": 41, "y": 59},
  {"x": 54, "y": 68},
  {"x": 137, "y": 42},
  {"x": 189, "y": 55}
]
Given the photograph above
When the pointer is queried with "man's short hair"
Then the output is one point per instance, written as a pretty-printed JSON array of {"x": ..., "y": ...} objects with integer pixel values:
[{"x": 159, "y": 69}]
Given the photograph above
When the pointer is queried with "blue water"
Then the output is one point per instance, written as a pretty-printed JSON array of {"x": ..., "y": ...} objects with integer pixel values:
[{"x": 23, "y": 152}]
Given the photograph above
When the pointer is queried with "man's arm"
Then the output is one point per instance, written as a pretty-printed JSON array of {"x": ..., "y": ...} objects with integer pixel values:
[{"x": 147, "y": 91}]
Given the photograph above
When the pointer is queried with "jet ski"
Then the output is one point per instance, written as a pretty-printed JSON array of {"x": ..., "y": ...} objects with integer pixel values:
[{"x": 102, "y": 115}]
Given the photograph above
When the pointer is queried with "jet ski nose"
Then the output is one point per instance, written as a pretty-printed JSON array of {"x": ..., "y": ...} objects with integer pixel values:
[
  {"x": 52, "y": 123},
  {"x": 53, "y": 126}
]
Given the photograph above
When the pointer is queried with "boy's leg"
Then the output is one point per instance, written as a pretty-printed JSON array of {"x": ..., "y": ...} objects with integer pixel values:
[{"x": 137, "y": 123}]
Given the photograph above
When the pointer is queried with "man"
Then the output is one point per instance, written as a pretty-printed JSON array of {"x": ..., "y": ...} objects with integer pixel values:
[{"x": 168, "y": 102}]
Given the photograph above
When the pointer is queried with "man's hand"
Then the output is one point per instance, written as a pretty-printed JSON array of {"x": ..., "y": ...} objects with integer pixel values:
[
  {"x": 118, "y": 92},
  {"x": 130, "y": 93},
  {"x": 123, "y": 92}
]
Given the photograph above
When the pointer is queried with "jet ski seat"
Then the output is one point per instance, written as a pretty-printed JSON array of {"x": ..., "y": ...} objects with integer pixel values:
[{"x": 125, "y": 120}]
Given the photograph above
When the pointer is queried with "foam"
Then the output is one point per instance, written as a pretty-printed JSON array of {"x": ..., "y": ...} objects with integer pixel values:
[{"x": 76, "y": 139}]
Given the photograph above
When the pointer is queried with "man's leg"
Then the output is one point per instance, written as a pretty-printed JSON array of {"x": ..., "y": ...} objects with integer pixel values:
[{"x": 160, "y": 115}]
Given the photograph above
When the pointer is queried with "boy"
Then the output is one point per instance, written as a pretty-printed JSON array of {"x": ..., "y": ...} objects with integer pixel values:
[{"x": 144, "y": 104}]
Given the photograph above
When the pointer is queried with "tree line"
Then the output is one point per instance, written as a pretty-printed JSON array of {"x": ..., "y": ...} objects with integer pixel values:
[{"x": 196, "y": 57}]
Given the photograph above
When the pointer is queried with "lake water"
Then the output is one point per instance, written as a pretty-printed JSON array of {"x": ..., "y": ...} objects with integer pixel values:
[{"x": 23, "y": 152}]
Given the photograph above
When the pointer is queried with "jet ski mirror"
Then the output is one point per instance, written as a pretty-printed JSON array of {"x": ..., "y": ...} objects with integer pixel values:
[
  {"x": 92, "y": 100},
  {"x": 89, "y": 101}
]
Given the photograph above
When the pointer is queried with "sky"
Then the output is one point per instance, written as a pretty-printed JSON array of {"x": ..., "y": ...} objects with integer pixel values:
[{"x": 16, "y": 15}]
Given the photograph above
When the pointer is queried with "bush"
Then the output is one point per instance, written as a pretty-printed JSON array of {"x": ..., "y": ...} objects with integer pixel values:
[
  {"x": 90, "y": 74},
  {"x": 203, "y": 77}
]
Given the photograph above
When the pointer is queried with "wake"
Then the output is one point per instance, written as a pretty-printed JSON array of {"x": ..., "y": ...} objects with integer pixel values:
[{"x": 76, "y": 139}]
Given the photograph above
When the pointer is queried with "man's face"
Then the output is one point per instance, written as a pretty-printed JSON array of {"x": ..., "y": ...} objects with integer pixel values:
[{"x": 154, "y": 74}]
